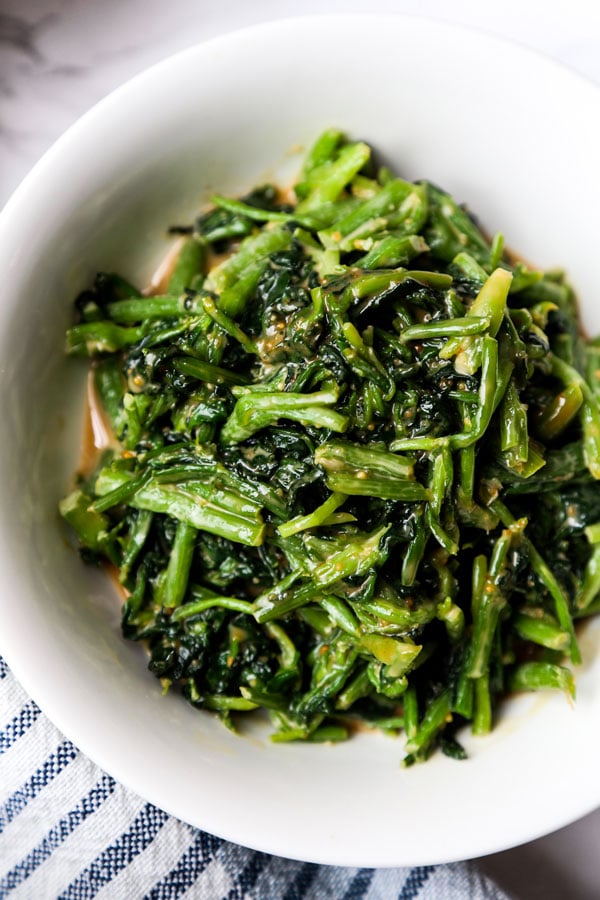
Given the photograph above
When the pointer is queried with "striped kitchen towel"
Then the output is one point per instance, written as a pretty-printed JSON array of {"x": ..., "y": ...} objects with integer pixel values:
[{"x": 68, "y": 830}]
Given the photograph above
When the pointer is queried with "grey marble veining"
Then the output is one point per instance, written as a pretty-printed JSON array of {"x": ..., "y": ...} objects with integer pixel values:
[{"x": 59, "y": 57}]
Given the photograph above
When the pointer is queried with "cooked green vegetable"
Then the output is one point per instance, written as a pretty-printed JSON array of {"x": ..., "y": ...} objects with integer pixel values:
[{"x": 356, "y": 461}]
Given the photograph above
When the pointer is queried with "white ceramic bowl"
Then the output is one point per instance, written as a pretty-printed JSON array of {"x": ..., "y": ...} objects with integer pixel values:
[{"x": 509, "y": 132}]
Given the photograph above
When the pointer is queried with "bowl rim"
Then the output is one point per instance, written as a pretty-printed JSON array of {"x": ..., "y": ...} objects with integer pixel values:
[
  {"x": 284, "y": 21},
  {"x": 39, "y": 692}
]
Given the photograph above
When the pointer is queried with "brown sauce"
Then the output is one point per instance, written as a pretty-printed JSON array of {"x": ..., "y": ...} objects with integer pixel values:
[{"x": 160, "y": 278}]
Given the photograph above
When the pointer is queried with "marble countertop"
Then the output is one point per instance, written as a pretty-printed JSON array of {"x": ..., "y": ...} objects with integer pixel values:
[{"x": 58, "y": 57}]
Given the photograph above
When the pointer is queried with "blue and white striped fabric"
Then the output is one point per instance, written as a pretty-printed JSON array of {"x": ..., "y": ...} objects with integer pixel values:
[{"x": 69, "y": 831}]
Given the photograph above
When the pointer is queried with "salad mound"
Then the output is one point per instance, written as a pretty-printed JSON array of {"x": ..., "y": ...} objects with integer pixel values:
[{"x": 354, "y": 460}]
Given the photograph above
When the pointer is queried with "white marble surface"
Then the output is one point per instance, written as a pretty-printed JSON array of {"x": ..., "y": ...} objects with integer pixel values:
[{"x": 58, "y": 57}]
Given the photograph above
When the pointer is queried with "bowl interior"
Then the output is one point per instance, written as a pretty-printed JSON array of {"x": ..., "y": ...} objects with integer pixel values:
[{"x": 509, "y": 133}]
